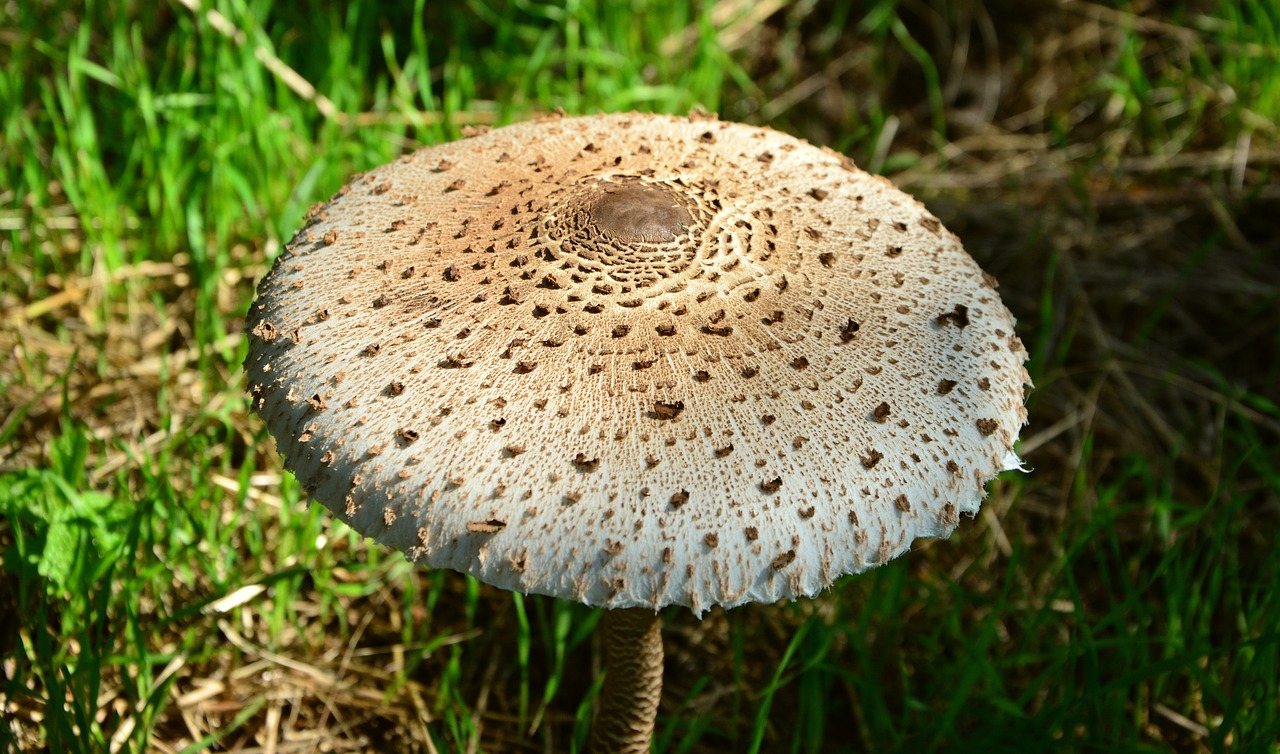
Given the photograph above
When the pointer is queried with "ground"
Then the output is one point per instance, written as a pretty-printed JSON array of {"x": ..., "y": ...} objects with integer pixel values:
[{"x": 166, "y": 588}]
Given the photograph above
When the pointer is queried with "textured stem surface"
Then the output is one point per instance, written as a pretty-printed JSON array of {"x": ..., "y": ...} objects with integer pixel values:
[{"x": 632, "y": 682}]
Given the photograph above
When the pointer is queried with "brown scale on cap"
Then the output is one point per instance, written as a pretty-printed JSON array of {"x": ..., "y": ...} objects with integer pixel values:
[{"x": 695, "y": 326}]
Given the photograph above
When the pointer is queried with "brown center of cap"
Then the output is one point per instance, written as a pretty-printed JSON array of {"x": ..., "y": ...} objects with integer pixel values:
[{"x": 640, "y": 214}]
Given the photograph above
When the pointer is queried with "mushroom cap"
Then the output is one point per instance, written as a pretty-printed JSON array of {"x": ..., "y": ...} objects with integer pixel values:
[{"x": 636, "y": 360}]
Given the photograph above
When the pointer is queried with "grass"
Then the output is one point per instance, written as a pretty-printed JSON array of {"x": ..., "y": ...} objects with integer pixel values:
[{"x": 165, "y": 587}]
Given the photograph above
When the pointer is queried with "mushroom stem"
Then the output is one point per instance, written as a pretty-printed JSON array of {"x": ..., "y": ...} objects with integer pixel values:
[{"x": 632, "y": 682}]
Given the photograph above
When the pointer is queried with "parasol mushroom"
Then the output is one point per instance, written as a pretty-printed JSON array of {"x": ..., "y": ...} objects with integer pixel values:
[{"x": 636, "y": 361}]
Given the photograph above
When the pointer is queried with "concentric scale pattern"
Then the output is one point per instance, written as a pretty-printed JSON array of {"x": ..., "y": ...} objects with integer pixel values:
[{"x": 636, "y": 360}]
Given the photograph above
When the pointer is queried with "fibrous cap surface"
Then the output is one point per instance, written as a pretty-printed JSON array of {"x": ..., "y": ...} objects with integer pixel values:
[{"x": 636, "y": 360}]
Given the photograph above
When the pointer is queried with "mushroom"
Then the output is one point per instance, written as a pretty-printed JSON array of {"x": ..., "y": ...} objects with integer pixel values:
[{"x": 636, "y": 361}]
